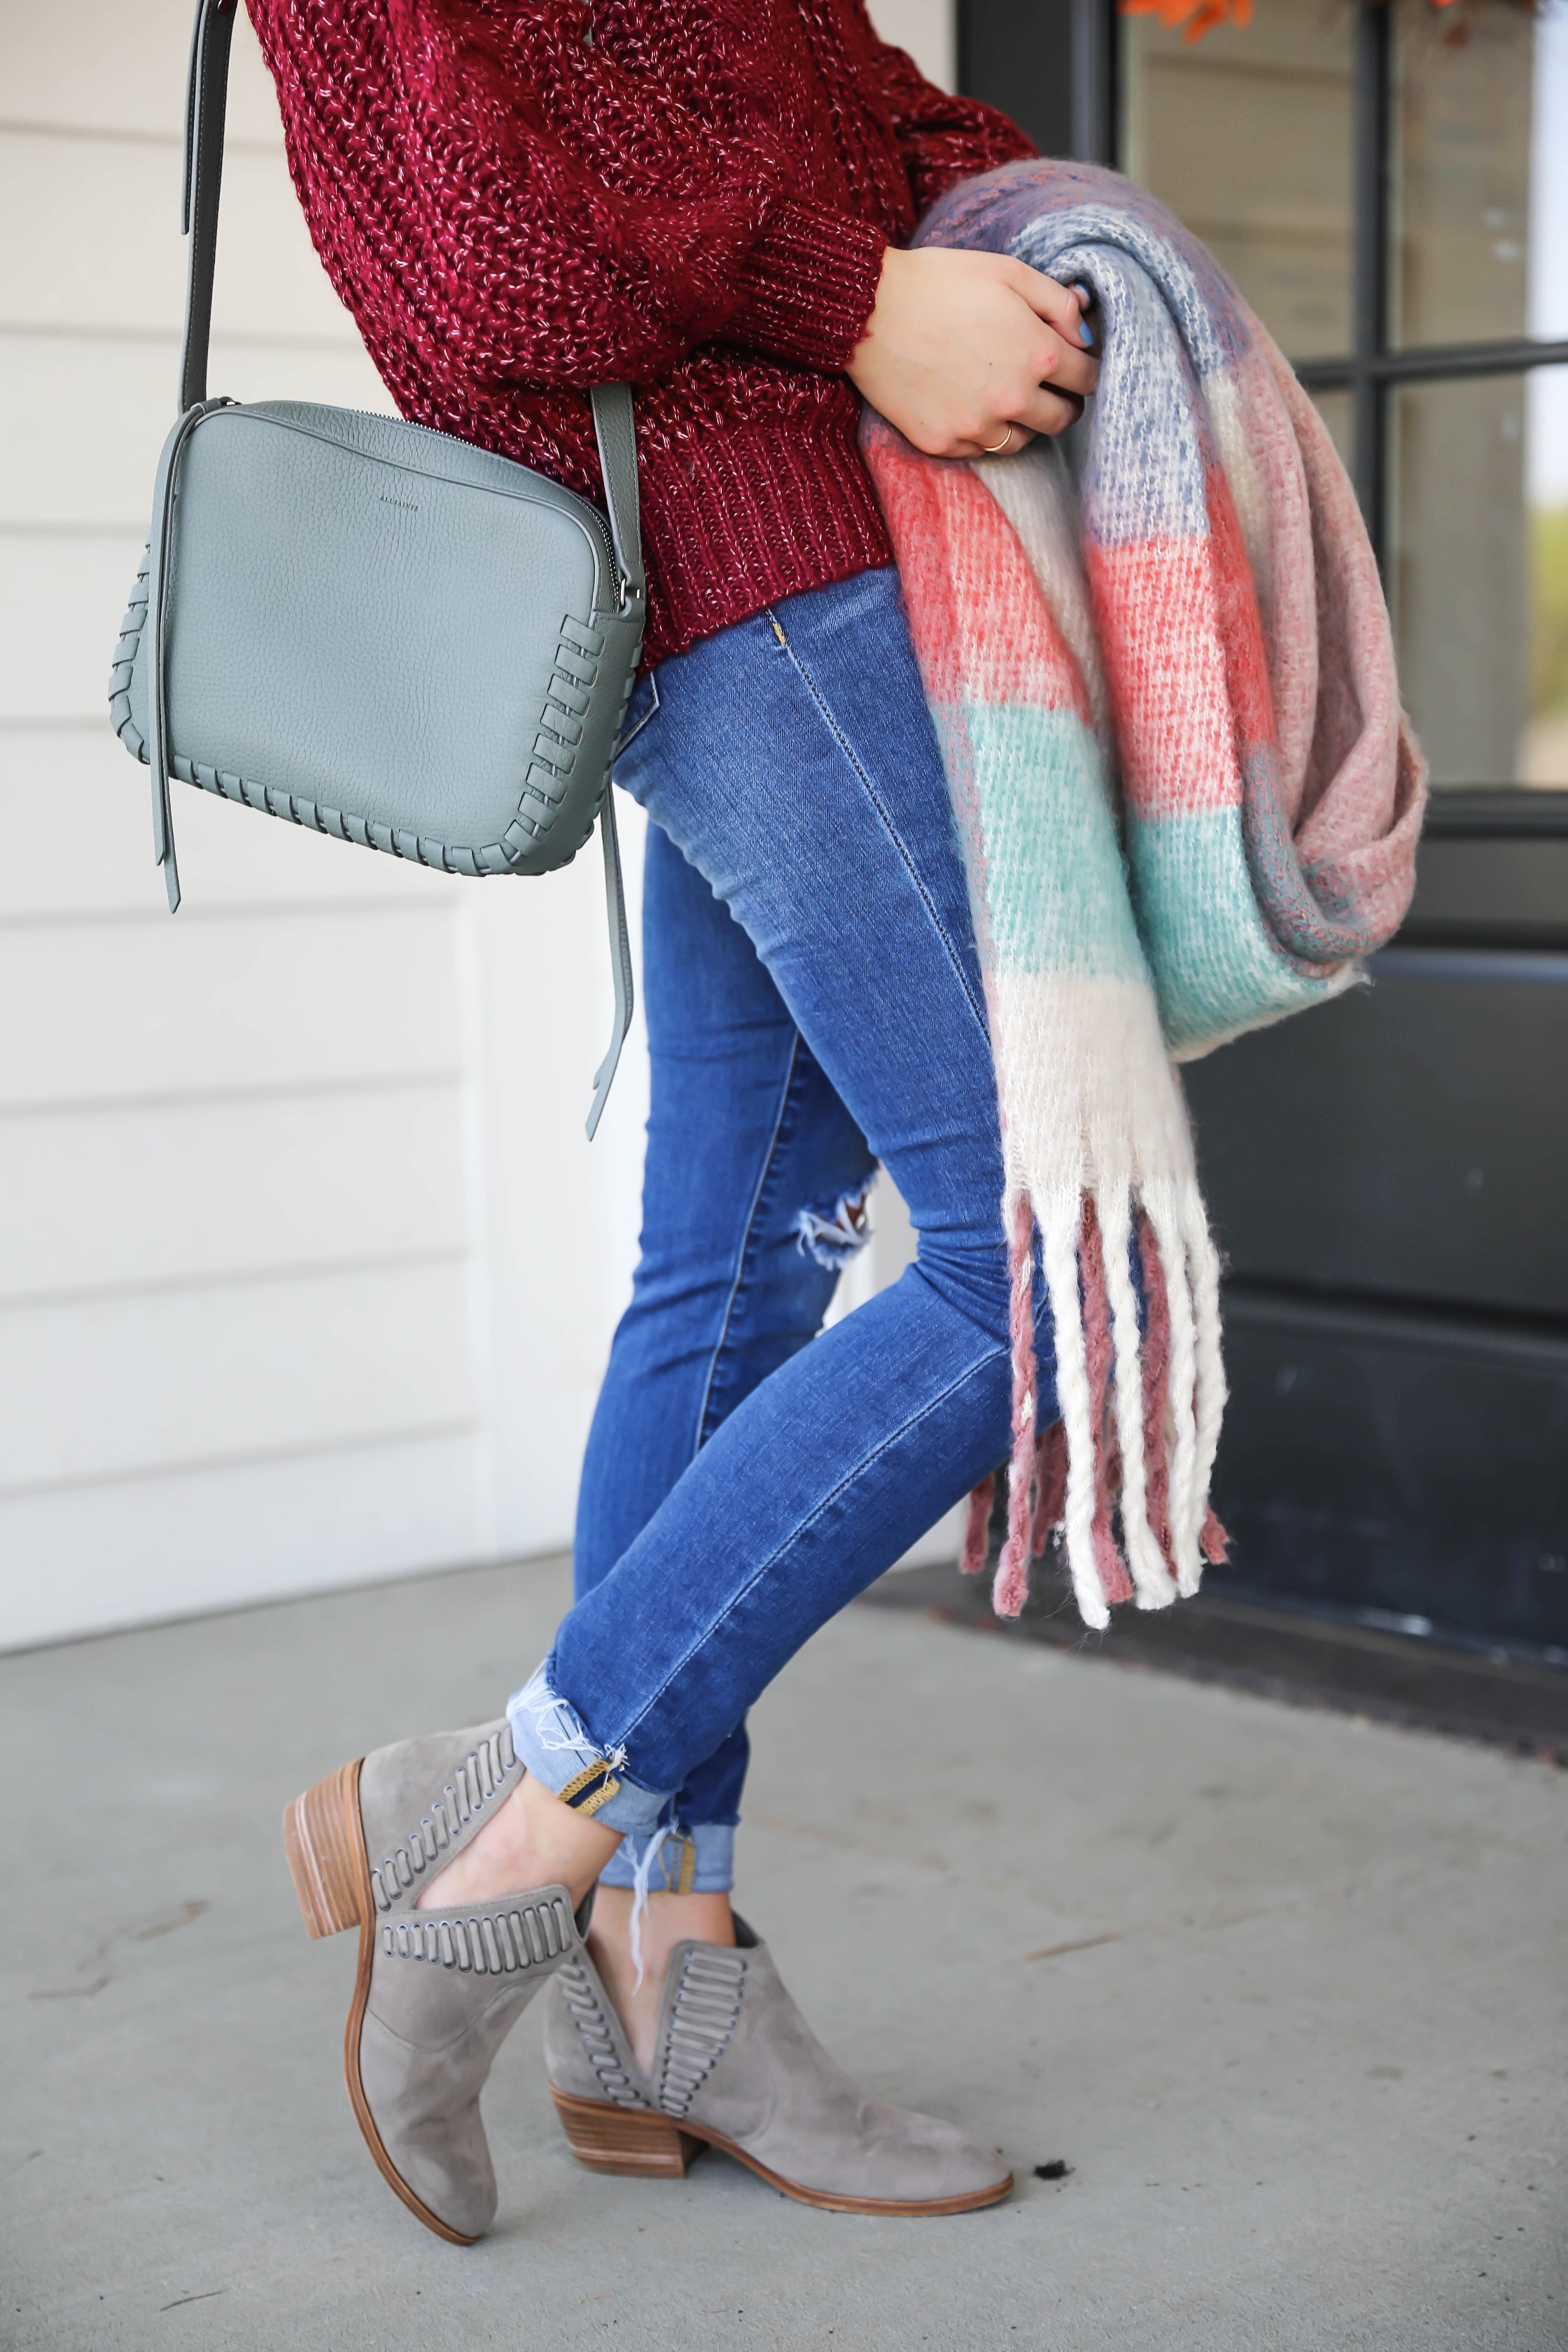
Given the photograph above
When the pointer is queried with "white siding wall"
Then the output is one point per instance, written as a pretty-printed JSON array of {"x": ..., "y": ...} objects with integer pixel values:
[{"x": 305, "y": 1270}]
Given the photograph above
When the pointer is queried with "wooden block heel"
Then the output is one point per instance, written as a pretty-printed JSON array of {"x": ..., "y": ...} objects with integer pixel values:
[
  {"x": 325, "y": 1846},
  {"x": 626, "y": 2139}
]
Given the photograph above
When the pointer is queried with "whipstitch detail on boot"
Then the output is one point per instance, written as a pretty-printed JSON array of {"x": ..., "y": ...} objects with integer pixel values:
[
  {"x": 475, "y": 1782},
  {"x": 598, "y": 2040},
  {"x": 703, "y": 2017},
  {"x": 493, "y": 1943}
]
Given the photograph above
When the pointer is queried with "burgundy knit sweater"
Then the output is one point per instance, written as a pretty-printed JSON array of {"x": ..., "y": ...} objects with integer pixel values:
[{"x": 518, "y": 199}]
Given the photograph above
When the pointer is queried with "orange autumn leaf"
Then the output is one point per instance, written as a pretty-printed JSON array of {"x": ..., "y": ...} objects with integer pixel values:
[{"x": 1197, "y": 16}]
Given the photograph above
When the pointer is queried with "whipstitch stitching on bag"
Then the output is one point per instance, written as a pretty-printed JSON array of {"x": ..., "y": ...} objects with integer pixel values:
[
  {"x": 567, "y": 699},
  {"x": 477, "y": 1780}
]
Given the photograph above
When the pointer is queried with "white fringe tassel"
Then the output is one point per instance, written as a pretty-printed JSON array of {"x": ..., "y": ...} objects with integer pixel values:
[{"x": 1058, "y": 1235}]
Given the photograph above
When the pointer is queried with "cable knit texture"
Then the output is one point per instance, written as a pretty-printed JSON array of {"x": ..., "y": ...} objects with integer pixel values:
[{"x": 518, "y": 199}]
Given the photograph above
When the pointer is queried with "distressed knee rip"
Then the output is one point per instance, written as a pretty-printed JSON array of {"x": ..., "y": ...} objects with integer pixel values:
[{"x": 832, "y": 1237}]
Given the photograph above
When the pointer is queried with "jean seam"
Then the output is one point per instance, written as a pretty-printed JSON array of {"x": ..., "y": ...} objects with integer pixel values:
[
  {"x": 743, "y": 1252},
  {"x": 892, "y": 1438},
  {"x": 830, "y": 723}
]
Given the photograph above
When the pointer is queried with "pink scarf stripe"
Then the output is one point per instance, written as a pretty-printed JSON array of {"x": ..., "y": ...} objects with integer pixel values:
[{"x": 984, "y": 635}]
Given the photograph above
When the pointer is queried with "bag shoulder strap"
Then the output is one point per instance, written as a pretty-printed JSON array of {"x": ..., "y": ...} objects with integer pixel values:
[
  {"x": 206, "y": 107},
  {"x": 617, "y": 435}
]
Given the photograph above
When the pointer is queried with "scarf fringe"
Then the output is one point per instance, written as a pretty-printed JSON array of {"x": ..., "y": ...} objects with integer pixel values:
[
  {"x": 1123, "y": 1477},
  {"x": 978, "y": 1527},
  {"x": 1011, "y": 1589}
]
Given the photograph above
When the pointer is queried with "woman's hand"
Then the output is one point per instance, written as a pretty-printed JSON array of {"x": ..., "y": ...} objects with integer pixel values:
[{"x": 963, "y": 346}]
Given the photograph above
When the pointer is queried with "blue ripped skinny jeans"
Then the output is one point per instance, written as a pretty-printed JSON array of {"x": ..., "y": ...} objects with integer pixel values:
[{"x": 814, "y": 1007}]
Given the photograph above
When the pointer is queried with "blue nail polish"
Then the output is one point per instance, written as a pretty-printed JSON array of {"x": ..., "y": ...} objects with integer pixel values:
[{"x": 1085, "y": 333}]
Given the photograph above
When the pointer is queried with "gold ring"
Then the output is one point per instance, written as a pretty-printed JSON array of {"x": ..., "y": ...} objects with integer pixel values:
[{"x": 1001, "y": 445}]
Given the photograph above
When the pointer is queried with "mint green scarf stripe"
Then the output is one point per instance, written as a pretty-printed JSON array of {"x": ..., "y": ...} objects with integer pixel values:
[
  {"x": 1056, "y": 889},
  {"x": 1217, "y": 970}
]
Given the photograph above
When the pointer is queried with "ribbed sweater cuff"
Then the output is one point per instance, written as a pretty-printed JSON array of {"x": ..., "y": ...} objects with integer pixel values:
[{"x": 808, "y": 287}]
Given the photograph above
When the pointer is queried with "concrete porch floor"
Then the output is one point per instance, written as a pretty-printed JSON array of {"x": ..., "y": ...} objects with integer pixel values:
[{"x": 1307, "y": 2062}]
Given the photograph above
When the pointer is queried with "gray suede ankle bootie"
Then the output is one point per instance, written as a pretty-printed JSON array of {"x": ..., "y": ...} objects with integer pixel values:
[
  {"x": 737, "y": 2068},
  {"x": 437, "y": 1991}
]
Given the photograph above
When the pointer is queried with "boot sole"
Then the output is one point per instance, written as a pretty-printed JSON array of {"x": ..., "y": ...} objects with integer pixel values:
[
  {"x": 323, "y": 1838},
  {"x": 631, "y": 2140}
]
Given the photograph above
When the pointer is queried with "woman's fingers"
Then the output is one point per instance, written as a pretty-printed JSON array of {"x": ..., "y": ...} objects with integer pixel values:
[
  {"x": 1065, "y": 358},
  {"x": 1048, "y": 410},
  {"x": 1043, "y": 411},
  {"x": 1064, "y": 367},
  {"x": 960, "y": 346},
  {"x": 1062, "y": 307},
  {"x": 1007, "y": 442}
]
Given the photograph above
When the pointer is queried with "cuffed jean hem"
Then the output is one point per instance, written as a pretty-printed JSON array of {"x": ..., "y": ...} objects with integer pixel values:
[
  {"x": 696, "y": 1861},
  {"x": 554, "y": 1745}
]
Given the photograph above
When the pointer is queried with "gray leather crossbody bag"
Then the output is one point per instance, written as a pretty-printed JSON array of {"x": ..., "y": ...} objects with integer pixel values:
[{"x": 373, "y": 629}]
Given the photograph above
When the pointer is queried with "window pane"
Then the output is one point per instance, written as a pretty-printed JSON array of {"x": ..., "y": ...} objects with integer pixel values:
[
  {"x": 1247, "y": 135},
  {"x": 1481, "y": 181},
  {"x": 1478, "y": 575}
]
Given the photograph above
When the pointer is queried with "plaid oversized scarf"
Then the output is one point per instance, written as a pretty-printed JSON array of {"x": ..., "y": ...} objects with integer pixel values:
[{"x": 1188, "y": 802}]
